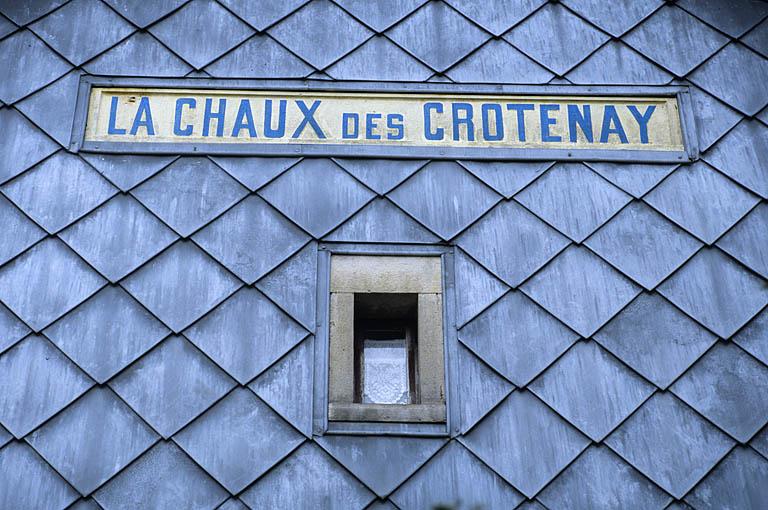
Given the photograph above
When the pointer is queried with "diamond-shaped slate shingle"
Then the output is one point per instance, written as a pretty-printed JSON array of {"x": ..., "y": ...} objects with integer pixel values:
[
  {"x": 317, "y": 195},
  {"x": 52, "y": 108},
  {"x": 164, "y": 478},
  {"x": 59, "y": 190},
  {"x": 264, "y": 13},
  {"x": 126, "y": 171},
  {"x": 669, "y": 443},
  {"x": 138, "y": 55},
  {"x": 713, "y": 117},
  {"x": 600, "y": 480},
  {"x": 499, "y": 62},
  {"x": 667, "y": 344},
  {"x": 200, "y": 43},
  {"x": 754, "y": 337},
  {"x": 381, "y": 462},
  {"x": 507, "y": 177},
  {"x": 36, "y": 381},
  {"x": 259, "y": 57},
  {"x": 254, "y": 173},
  {"x": 757, "y": 38},
  {"x": 189, "y": 193},
  {"x": 736, "y": 76},
  {"x": 479, "y": 288},
  {"x": 381, "y": 222},
  {"x": 743, "y": 155},
  {"x": 11, "y": 329},
  {"x": 480, "y": 389},
  {"x": 22, "y": 144},
  {"x": 251, "y": 239},
  {"x": 287, "y": 386},
  {"x": 614, "y": 17},
  {"x": 118, "y": 237},
  {"x": 23, "y": 13},
  {"x": 556, "y": 38},
  {"x": 331, "y": 484},
  {"x": 730, "y": 388},
  {"x": 573, "y": 199},
  {"x": 28, "y": 65},
  {"x": 92, "y": 439},
  {"x": 748, "y": 240},
  {"x": 246, "y": 334},
  {"x": 181, "y": 285},
  {"x": 381, "y": 175},
  {"x": 581, "y": 290},
  {"x": 496, "y": 16},
  {"x": 740, "y": 481},
  {"x": 379, "y": 59},
  {"x": 591, "y": 389},
  {"x": 320, "y": 33},
  {"x": 444, "y": 197},
  {"x": 171, "y": 385},
  {"x": 27, "y": 481},
  {"x": 106, "y": 333},
  {"x": 144, "y": 13},
  {"x": 18, "y": 232},
  {"x": 45, "y": 282},
  {"x": 529, "y": 342},
  {"x": 618, "y": 64},
  {"x": 454, "y": 478},
  {"x": 238, "y": 439},
  {"x": 710, "y": 204},
  {"x": 760, "y": 442},
  {"x": 675, "y": 39},
  {"x": 733, "y": 17},
  {"x": 635, "y": 179},
  {"x": 525, "y": 442},
  {"x": 437, "y": 35},
  {"x": 82, "y": 29},
  {"x": 292, "y": 285},
  {"x": 716, "y": 291},
  {"x": 643, "y": 244}
]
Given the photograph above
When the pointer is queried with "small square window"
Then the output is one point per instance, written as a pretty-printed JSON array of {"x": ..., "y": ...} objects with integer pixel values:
[{"x": 386, "y": 339}]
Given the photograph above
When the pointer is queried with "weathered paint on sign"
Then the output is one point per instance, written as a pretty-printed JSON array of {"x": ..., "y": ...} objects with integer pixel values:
[{"x": 263, "y": 117}]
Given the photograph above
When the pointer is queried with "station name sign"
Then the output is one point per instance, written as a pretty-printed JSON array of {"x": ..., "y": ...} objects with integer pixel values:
[{"x": 397, "y": 124}]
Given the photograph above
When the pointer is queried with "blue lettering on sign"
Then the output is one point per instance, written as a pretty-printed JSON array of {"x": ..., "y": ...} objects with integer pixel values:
[
  {"x": 612, "y": 125},
  {"x": 547, "y": 121},
  {"x": 209, "y": 115},
  {"x": 429, "y": 134},
  {"x": 520, "y": 109},
  {"x": 244, "y": 119},
  {"x": 370, "y": 125},
  {"x": 143, "y": 118},
  {"x": 269, "y": 131},
  {"x": 581, "y": 119},
  {"x": 466, "y": 120},
  {"x": 345, "y": 124},
  {"x": 309, "y": 119},
  {"x": 642, "y": 120},
  {"x": 180, "y": 104},
  {"x": 498, "y": 123},
  {"x": 395, "y": 122},
  {"x": 111, "y": 129}
]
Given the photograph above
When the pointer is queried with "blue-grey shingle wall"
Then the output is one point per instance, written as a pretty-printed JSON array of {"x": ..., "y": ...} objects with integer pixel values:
[{"x": 157, "y": 316}]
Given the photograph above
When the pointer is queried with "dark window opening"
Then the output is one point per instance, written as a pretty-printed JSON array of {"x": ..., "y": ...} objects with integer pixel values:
[{"x": 386, "y": 348}]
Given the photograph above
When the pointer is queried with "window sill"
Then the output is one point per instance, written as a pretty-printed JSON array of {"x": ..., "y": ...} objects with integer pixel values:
[{"x": 408, "y": 413}]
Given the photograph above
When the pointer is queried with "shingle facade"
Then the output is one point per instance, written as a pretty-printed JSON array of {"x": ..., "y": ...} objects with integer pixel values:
[{"x": 158, "y": 313}]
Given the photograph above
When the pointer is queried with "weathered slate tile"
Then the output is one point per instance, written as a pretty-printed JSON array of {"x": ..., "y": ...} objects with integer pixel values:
[
  {"x": 380, "y": 16},
  {"x": 262, "y": 14},
  {"x": 11, "y": 329},
  {"x": 618, "y": 64},
  {"x": 496, "y": 16},
  {"x": 18, "y": 232},
  {"x": 171, "y": 385},
  {"x": 126, "y": 171},
  {"x": 740, "y": 481},
  {"x": 254, "y": 173},
  {"x": 22, "y": 144},
  {"x": 480, "y": 389},
  {"x": 138, "y": 55},
  {"x": 733, "y": 18},
  {"x": 143, "y": 14},
  {"x": 28, "y": 66},
  {"x": 498, "y": 62},
  {"x": 259, "y": 57},
  {"x": 614, "y": 17},
  {"x": 246, "y": 334},
  {"x": 381, "y": 222},
  {"x": 379, "y": 59},
  {"x": 479, "y": 288},
  {"x": 381, "y": 175},
  {"x": 26, "y": 481},
  {"x": 713, "y": 117},
  {"x": 53, "y": 108},
  {"x": 635, "y": 179},
  {"x": 92, "y": 439},
  {"x": 238, "y": 439},
  {"x": 754, "y": 337},
  {"x": 25, "y": 12},
  {"x": 507, "y": 177},
  {"x": 742, "y": 154}
]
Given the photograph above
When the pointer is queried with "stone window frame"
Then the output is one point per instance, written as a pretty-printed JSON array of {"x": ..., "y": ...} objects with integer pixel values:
[{"x": 334, "y": 410}]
